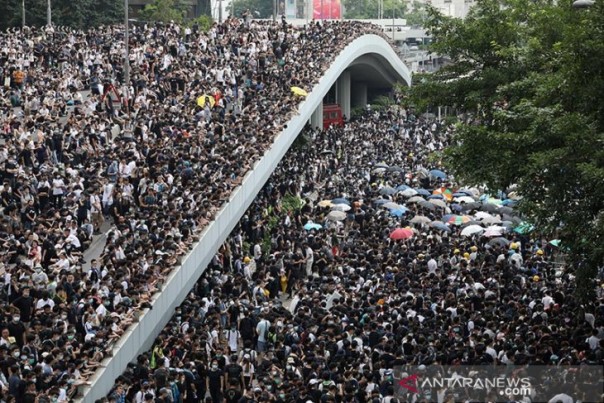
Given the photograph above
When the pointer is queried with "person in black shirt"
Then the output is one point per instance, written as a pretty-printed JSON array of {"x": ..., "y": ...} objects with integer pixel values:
[
  {"x": 25, "y": 304},
  {"x": 233, "y": 393},
  {"x": 215, "y": 382},
  {"x": 17, "y": 330}
]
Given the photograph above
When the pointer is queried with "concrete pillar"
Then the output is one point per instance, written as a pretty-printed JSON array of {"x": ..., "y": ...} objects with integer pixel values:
[
  {"x": 343, "y": 93},
  {"x": 316, "y": 120},
  {"x": 359, "y": 94}
]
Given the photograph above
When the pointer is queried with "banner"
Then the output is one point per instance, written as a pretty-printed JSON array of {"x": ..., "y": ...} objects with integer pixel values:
[{"x": 327, "y": 9}]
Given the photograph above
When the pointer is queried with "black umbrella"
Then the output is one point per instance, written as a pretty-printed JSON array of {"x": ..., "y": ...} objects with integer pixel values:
[
  {"x": 427, "y": 205},
  {"x": 506, "y": 210},
  {"x": 490, "y": 208},
  {"x": 499, "y": 241},
  {"x": 470, "y": 206}
]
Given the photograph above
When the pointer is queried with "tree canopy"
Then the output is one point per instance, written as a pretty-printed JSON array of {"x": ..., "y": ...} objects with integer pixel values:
[
  {"x": 75, "y": 14},
  {"x": 527, "y": 74},
  {"x": 368, "y": 9}
]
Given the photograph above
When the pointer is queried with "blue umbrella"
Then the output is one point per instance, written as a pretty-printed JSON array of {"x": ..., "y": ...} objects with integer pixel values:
[
  {"x": 438, "y": 174},
  {"x": 440, "y": 226},
  {"x": 340, "y": 200},
  {"x": 379, "y": 202},
  {"x": 311, "y": 225},
  {"x": 461, "y": 193},
  {"x": 400, "y": 188},
  {"x": 423, "y": 192},
  {"x": 399, "y": 211},
  {"x": 441, "y": 197},
  {"x": 456, "y": 207},
  {"x": 387, "y": 190}
]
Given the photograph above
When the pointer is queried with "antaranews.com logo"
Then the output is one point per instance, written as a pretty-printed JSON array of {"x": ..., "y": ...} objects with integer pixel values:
[{"x": 436, "y": 383}]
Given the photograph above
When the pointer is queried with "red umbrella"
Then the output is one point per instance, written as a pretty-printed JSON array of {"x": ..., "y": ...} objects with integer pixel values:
[{"x": 401, "y": 233}]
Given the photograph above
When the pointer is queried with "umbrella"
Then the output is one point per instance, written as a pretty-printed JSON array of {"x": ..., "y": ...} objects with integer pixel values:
[
  {"x": 409, "y": 192},
  {"x": 438, "y": 174},
  {"x": 423, "y": 173},
  {"x": 391, "y": 205},
  {"x": 423, "y": 192},
  {"x": 499, "y": 241},
  {"x": 325, "y": 203},
  {"x": 400, "y": 188},
  {"x": 437, "y": 196},
  {"x": 340, "y": 200},
  {"x": 463, "y": 199},
  {"x": 381, "y": 165},
  {"x": 311, "y": 225},
  {"x": 328, "y": 152},
  {"x": 387, "y": 190},
  {"x": 458, "y": 219},
  {"x": 201, "y": 101},
  {"x": 340, "y": 207},
  {"x": 440, "y": 226},
  {"x": 555, "y": 242},
  {"x": 401, "y": 233},
  {"x": 336, "y": 216},
  {"x": 509, "y": 202},
  {"x": 506, "y": 210},
  {"x": 462, "y": 193},
  {"x": 378, "y": 171},
  {"x": 456, "y": 207},
  {"x": 491, "y": 220},
  {"x": 438, "y": 203},
  {"x": 473, "y": 222},
  {"x": 481, "y": 214},
  {"x": 299, "y": 91},
  {"x": 524, "y": 228},
  {"x": 491, "y": 208},
  {"x": 471, "y": 230},
  {"x": 494, "y": 231},
  {"x": 381, "y": 202},
  {"x": 415, "y": 199},
  {"x": 420, "y": 219},
  {"x": 471, "y": 206},
  {"x": 396, "y": 169},
  {"x": 399, "y": 211},
  {"x": 427, "y": 205},
  {"x": 516, "y": 220}
]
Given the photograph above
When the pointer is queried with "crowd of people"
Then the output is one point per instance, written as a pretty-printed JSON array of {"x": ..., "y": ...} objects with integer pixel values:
[
  {"x": 355, "y": 260},
  {"x": 152, "y": 162}
]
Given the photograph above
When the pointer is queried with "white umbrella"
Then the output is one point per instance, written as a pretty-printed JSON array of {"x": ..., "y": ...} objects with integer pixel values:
[
  {"x": 464, "y": 199},
  {"x": 420, "y": 219},
  {"x": 491, "y": 220},
  {"x": 482, "y": 214},
  {"x": 438, "y": 202},
  {"x": 378, "y": 170},
  {"x": 471, "y": 230},
  {"x": 391, "y": 205},
  {"x": 409, "y": 192},
  {"x": 340, "y": 207},
  {"x": 336, "y": 216},
  {"x": 494, "y": 231},
  {"x": 416, "y": 199}
]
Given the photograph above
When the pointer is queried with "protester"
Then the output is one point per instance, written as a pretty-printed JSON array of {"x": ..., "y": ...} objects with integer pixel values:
[{"x": 366, "y": 304}]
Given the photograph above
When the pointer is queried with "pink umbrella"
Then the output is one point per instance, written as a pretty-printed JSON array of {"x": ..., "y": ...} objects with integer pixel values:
[{"x": 401, "y": 233}]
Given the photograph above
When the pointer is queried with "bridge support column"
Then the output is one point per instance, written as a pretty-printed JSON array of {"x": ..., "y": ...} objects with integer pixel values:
[
  {"x": 359, "y": 94},
  {"x": 316, "y": 120},
  {"x": 343, "y": 93}
]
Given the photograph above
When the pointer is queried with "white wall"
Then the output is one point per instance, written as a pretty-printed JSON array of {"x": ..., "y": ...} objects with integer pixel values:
[{"x": 141, "y": 336}]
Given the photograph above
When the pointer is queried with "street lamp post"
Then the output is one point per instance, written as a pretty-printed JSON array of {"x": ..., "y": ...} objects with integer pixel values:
[
  {"x": 126, "y": 57},
  {"x": 274, "y": 10},
  {"x": 48, "y": 13},
  {"x": 23, "y": 13}
]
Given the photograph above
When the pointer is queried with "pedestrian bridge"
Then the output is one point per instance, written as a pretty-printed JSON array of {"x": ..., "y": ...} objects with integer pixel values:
[{"x": 368, "y": 62}]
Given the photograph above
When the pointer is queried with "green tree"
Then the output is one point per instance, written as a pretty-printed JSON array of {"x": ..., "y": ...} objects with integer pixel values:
[
  {"x": 369, "y": 9},
  {"x": 165, "y": 11},
  {"x": 524, "y": 71},
  {"x": 258, "y": 8}
]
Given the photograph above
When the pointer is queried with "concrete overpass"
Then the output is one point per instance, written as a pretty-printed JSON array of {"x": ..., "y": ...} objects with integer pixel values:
[{"x": 367, "y": 61}]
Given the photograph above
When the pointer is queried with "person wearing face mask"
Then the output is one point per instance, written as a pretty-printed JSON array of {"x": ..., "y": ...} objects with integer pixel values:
[
  {"x": 25, "y": 304},
  {"x": 16, "y": 329},
  {"x": 215, "y": 383}
]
